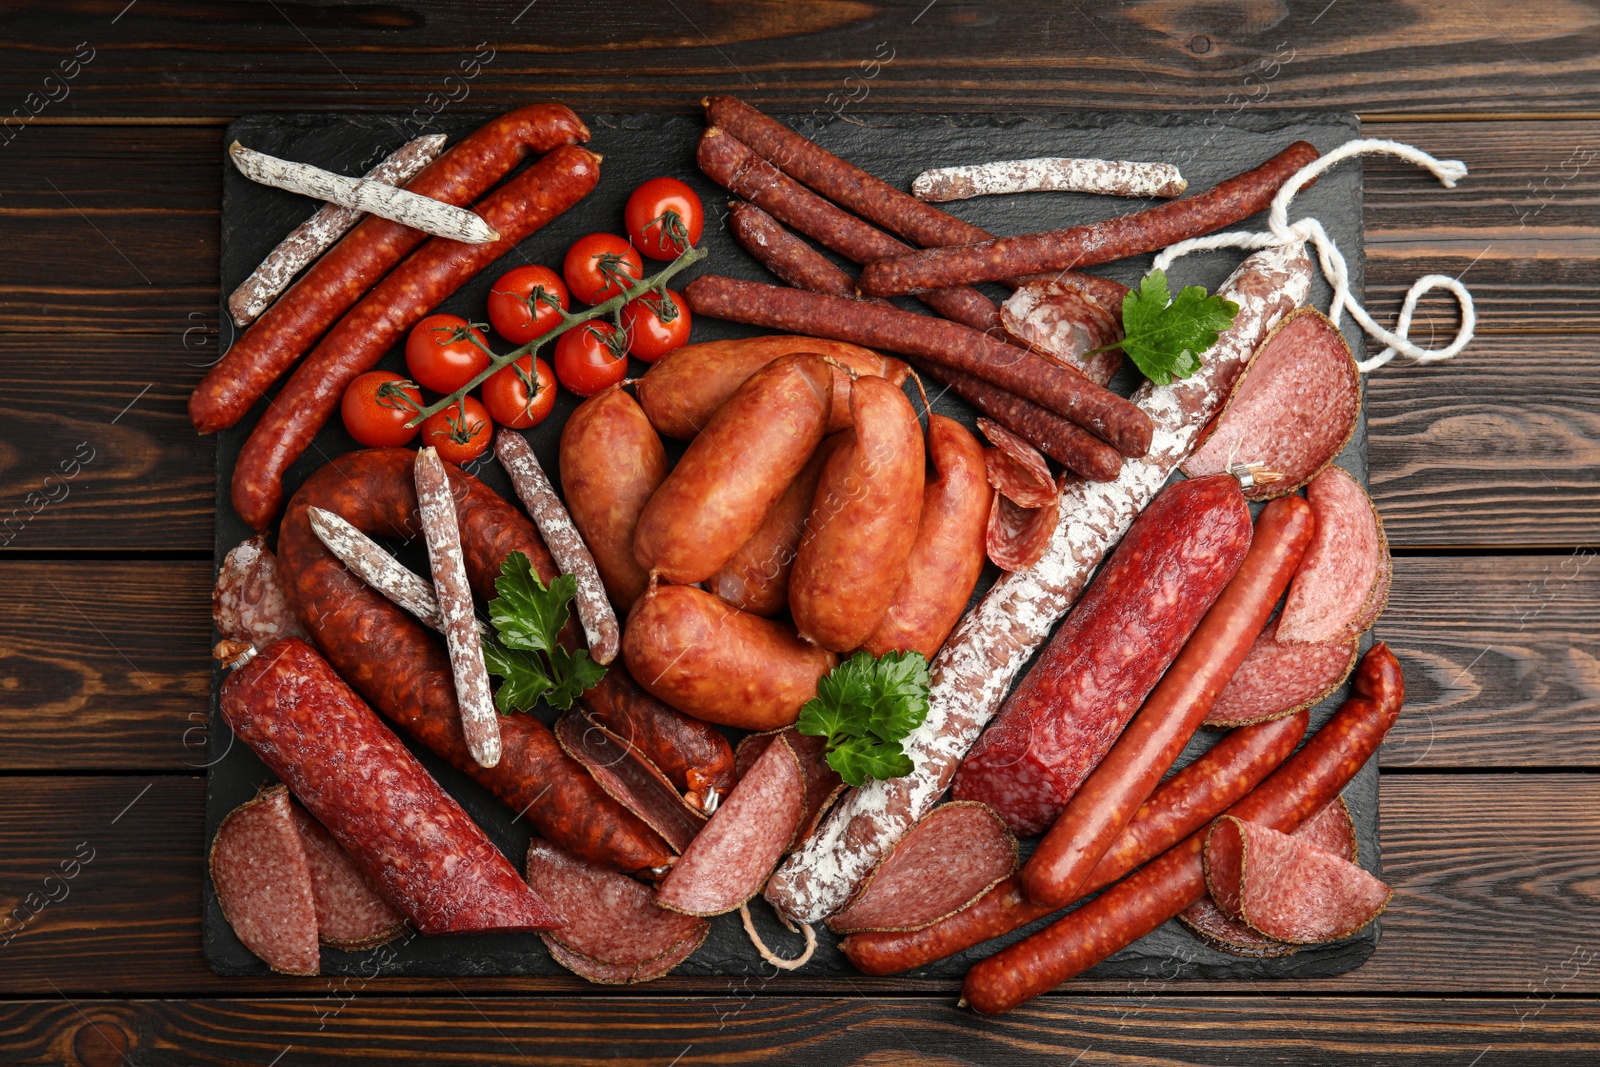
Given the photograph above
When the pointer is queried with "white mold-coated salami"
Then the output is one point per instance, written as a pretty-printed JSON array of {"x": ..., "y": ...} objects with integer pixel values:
[
  {"x": 249, "y": 602},
  {"x": 351, "y": 912},
  {"x": 974, "y": 671},
  {"x": 364, "y": 556},
  {"x": 1340, "y": 574},
  {"x": 322, "y": 230},
  {"x": 479, "y": 720},
  {"x": 1110, "y": 177},
  {"x": 565, "y": 543},
  {"x": 263, "y": 883}
]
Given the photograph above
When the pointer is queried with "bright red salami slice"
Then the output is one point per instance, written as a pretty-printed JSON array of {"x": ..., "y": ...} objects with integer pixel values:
[
  {"x": 351, "y": 912},
  {"x": 1339, "y": 575},
  {"x": 953, "y": 856},
  {"x": 621, "y": 973},
  {"x": 1277, "y": 679},
  {"x": 629, "y": 778},
  {"x": 249, "y": 602},
  {"x": 607, "y": 918},
  {"x": 258, "y": 866},
  {"x": 1016, "y": 469},
  {"x": 1293, "y": 407},
  {"x": 729, "y": 861},
  {"x": 1287, "y": 888},
  {"x": 1018, "y": 537},
  {"x": 823, "y": 784}
]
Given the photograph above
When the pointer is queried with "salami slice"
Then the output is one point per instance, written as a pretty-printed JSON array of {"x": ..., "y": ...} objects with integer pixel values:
[
  {"x": 1016, "y": 469},
  {"x": 1378, "y": 599},
  {"x": 729, "y": 861},
  {"x": 250, "y": 602},
  {"x": 1018, "y": 536},
  {"x": 953, "y": 856},
  {"x": 351, "y": 912},
  {"x": 1339, "y": 576},
  {"x": 1293, "y": 408},
  {"x": 263, "y": 883},
  {"x": 622, "y": 973},
  {"x": 1063, "y": 320},
  {"x": 629, "y": 778},
  {"x": 1333, "y": 830},
  {"x": 608, "y": 919},
  {"x": 823, "y": 784},
  {"x": 1287, "y": 888},
  {"x": 1278, "y": 679}
]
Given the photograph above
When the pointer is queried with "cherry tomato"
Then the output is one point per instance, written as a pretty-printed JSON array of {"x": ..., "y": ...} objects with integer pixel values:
[
  {"x": 594, "y": 263},
  {"x": 655, "y": 326},
  {"x": 522, "y": 394},
  {"x": 461, "y": 432},
  {"x": 377, "y": 406},
  {"x": 440, "y": 355},
  {"x": 512, "y": 308},
  {"x": 590, "y": 358},
  {"x": 645, "y": 218}
]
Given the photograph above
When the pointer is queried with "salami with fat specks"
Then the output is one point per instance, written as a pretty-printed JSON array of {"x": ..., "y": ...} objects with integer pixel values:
[
  {"x": 1016, "y": 469},
  {"x": 823, "y": 784},
  {"x": 351, "y": 912},
  {"x": 1278, "y": 679},
  {"x": 1339, "y": 578},
  {"x": 248, "y": 602},
  {"x": 1065, "y": 320},
  {"x": 1018, "y": 537},
  {"x": 263, "y": 883}
]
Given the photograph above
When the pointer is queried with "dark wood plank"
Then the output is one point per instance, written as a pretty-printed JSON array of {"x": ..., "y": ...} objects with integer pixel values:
[
  {"x": 183, "y": 59},
  {"x": 1493, "y": 879},
  {"x": 1215, "y": 1031}
]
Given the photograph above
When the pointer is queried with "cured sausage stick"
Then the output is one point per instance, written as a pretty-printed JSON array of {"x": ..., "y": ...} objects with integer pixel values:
[
  {"x": 1102, "y": 806},
  {"x": 402, "y": 586},
  {"x": 1076, "y": 247},
  {"x": 479, "y": 720},
  {"x": 1049, "y": 174},
  {"x": 1307, "y": 782},
  {"x": 317, "y": 234},
  {"x": 565, "y": 543},
  {"x": 973, "y": 672},
  {"x": 1105, "y": 414},
  {"x": 784, "y": 254}
]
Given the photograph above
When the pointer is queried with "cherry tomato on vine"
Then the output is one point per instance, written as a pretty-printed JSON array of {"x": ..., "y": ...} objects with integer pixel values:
[
  {"x": 655, "y": 325},
  {"x": 648, "y": 227},
  {"x": 377, "y": 406},
  {"x": 595, "y": 263},
  {"x": 513, "y": 312},
  {"x": 461, "y": 432},
  {"x": 521, "y": 395},
  {"x": 590, "y": 358},
  {"x": 440, "y": 355}
]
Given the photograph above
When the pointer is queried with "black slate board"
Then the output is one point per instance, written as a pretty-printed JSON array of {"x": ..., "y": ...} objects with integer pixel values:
[{"x": 895, "y": 147}]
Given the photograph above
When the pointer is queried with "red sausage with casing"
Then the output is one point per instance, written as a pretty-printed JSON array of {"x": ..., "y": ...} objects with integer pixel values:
[
  {"x": 733, "y": 473},
  {"x": 863, "y": 521}
]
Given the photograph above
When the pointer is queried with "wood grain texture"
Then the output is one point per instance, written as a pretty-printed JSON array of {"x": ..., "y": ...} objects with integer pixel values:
[
  {"x": 1494, "y": 879},
  {"x": 901, "y": 1032}
]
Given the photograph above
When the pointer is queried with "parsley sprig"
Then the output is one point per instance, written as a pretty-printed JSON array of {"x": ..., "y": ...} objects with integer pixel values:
[
  {"x": 1165, "y": 336},
  {"x": 527, "y": 617},
  {"x": 866, "y": 707}
]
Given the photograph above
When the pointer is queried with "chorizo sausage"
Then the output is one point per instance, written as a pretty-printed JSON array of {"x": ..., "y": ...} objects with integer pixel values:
[{"x": 694, "y": 755}]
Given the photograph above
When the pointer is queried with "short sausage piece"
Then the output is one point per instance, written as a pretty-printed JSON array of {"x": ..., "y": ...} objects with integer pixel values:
[
  {"x": 863, "y": 521},
  {"x": 718, "y": 663},
  {"x": 733, "y": 473},
  {"x": 947, "y": 556}
]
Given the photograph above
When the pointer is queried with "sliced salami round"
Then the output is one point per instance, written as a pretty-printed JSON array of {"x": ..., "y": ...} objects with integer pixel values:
[
  {"x": 954, "y": 855},
  {"x": 1293, "y": 407},
  {"x": 823, "y": 784},
  {"x": 1018, "y": 536},
  {"x": 1333, "y": 830},
  {"x": 263, "y": 883},
  {"x": 1278, "y": 679},
  {"x": 602, "y": 973},
  {"x": 351, "y": 913},
  {"x": 249, "y": 601},
  {"x": 1340, "y": 572},
  {"x": 629, "y": 778},
  {"x": 730, "y": 860},
  {"x": 1378, "y": 599},
  {"x": 1064, "y": 320},
  {"x": 1016, "y": 469}
]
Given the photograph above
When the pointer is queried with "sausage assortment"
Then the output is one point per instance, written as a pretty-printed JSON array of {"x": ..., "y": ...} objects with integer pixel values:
[{"x": 815, "y": 517}]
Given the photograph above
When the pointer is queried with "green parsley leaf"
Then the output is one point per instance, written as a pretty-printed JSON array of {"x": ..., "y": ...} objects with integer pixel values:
[
  {"x": 1164, "y": 336},
  {"x": 528, "y": 617},
  {"x": 524, "y": 679},
  {"x": 526, "y": 614},
  {"x": 866, "y": 707},
  {"x": 576, "y": 674}
]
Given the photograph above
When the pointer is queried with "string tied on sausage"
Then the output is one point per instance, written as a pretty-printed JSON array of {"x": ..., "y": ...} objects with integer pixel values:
[
  {"x": 766, "y": 953},
  {"x": 1334, "y": 268}
]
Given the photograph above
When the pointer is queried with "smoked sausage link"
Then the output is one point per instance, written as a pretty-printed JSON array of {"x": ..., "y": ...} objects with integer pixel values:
[
  {"x": 863, "y": 521},
  {"x": 733, "y": 473},
  {"x": 360, "y": 782},
  {"x": 715, "y": 662}
]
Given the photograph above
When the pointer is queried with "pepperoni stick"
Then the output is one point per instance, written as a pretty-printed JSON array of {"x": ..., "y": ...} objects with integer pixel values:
[
  {"x": 317, "y": 234},
  {"x": 565, "y": 543},
  {"x": 479, "y": 720},
  {"x": 784, "y": 254},
  {"x": 1075, "y": 247},
  {"x": 1049, "y": 174},
  {"x": 1306, "y": 783},
  {"x": 1105, "y": 414}
]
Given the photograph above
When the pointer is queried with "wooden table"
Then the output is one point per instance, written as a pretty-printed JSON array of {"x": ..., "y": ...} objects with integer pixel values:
[{"x": 1487, "y": 472}]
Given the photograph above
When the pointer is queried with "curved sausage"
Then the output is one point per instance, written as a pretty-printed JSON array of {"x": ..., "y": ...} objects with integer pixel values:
[
  {"x": 720, "y": 492},
  {"x": 718, "y": 663},
  {"x": 611, "y": 463},
  {"x": 694, "y": 755},
  {"x": 863, "y": 521},
  {"x": 784, "y": 254},
  {"x": 947, "y": 555}
]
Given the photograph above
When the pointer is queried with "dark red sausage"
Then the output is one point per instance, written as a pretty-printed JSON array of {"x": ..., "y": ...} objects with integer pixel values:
[
  {"x": 1130, "y": 772},
  {"x": 429, "y": 275},
  {"x": 360, "y": 782},
  {"x": 1076, "y": 247},
  {"x": 1105, "y": 414},
  {"x": 404, "y": 671},
  {"x": 1310, "y": 780},
  {"x": 694, "y": 755},
  {"x": 346, "y": 271},
  {"x": 784, "y": 254}
]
